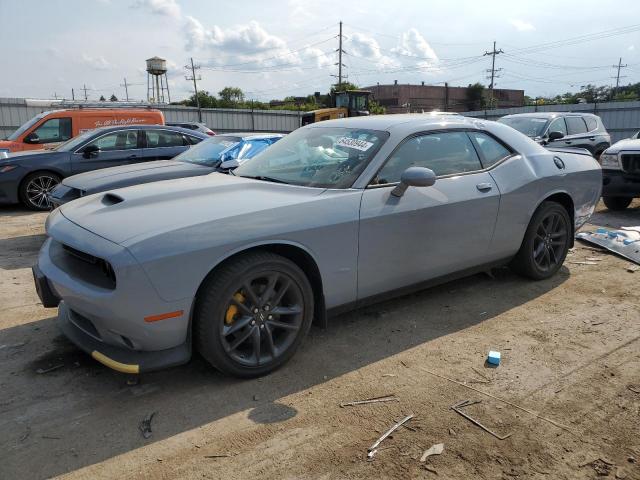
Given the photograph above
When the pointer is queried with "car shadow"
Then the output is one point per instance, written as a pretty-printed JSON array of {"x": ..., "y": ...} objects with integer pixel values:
[
  {"x": 20, "y": 252},
  {"x": 76, "y": 412}
]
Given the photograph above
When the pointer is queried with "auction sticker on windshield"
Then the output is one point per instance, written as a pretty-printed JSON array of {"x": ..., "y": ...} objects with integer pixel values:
[{"x": 361, "y": 145}]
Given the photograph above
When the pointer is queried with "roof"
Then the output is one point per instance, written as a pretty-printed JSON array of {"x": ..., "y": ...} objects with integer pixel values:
[
  {"x": 246, "y": 135},
  {"x": 150, "y": 127},
  {"x": 547, "y": 114},
  {"x": 386, "y": 122}
]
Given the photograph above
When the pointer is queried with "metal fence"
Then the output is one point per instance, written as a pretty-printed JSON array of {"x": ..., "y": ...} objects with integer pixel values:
[
  {"x": 621, "y": 119},
  {"x": 16, "y": 111}
]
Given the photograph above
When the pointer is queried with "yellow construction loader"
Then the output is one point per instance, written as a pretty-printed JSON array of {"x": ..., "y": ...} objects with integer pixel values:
[{"x": 350, "y": 103}]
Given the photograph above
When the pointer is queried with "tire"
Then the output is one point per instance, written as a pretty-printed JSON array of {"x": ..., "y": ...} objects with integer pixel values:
[
  {"x": 35, "y": 189},
  {"x": 546, "y": 242},
  {"x": 230, "y": 307},
  {"x": 617, "y": 203}
]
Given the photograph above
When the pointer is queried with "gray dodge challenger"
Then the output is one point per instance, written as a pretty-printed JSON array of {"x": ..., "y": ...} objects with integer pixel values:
[{"x": 333, "y": 216}]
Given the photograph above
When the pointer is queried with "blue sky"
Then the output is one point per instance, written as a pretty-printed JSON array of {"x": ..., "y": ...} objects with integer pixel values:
[{"x": 276, "y": 48}]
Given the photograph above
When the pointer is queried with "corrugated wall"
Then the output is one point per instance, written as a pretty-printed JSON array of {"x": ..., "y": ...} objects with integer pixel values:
[
  {"x": 622, "y": 119},
  {"x": 16, "y": 111}
]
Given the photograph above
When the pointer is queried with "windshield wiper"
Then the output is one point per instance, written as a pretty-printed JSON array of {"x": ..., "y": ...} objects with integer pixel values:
[{"x": 266, "y": 179}]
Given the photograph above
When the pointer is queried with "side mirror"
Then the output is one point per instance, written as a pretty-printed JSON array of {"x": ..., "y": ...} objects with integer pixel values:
[
  {"x": 90, "y": 151},
  {"x": 555, "y": 136},
  {"x": 229, "y": 164},
  {"x": 414, "y": 177},
  {"x": 32, "y": 138}
]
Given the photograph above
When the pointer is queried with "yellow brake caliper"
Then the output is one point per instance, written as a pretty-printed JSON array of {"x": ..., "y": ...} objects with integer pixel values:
[{"x": 232, "y": 311}]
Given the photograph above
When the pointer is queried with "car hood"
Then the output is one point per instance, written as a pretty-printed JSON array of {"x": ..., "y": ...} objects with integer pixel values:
[
  {"x": 31, "y": 156},
  {"x": 127, "y": 215},
  {"x": 628, "y": 144},
  {"x": 127, "y": 175}
]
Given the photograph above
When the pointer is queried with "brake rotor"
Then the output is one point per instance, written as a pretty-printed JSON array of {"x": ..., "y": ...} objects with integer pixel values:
[{"x": 232, "y": 310}]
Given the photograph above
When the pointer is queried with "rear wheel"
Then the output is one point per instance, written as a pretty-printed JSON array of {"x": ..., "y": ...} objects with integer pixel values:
[
  {"x": 617, "y": 203},
  {"x": 252, "y": 314},
  {"x": 36, "y": 188},
  {"x": 545, "y": 244}
]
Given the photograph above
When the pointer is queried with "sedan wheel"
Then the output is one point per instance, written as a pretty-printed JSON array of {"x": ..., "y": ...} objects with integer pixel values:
[
  {"x": 546, "y": 242},
  {"x": 617, "y": 203},
  {"x": 252, "y": 314},
  {"x": 36, "y": 188}
]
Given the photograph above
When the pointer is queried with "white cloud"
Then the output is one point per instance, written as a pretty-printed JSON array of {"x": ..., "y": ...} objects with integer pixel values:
[
  {"x": 96, "y": 63},
  {"x": 168, "y": 8},
  {"x": 412, "y": 43},
  {"x": 631, "y": 48},
  {"x": 521, "y": 25},
  {"x": 364, "y": 46}
]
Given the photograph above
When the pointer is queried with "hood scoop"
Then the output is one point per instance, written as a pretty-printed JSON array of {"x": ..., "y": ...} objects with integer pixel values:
[{"x": 111, "y": 199}]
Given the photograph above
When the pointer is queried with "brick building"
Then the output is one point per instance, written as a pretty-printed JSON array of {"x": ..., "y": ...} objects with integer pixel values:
[{"x": 399, "y": 98}]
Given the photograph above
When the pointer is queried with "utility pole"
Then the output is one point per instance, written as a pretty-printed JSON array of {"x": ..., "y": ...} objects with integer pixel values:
[
  {"x": 73, "y": 95},
  {"x": 340, "y": 64},
  {"x": 126, "y": 88},
  {"x": 619, "y": 66},
  {"x": 193, "y": 77},
  {"x": 493, "y": 70},
  {"x": 84, "y": 87}
]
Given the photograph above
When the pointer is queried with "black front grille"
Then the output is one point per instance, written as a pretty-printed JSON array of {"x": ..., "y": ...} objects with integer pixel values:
[
  {"x": 84, "y": 266},
  {"x": 631, "y": 162}
]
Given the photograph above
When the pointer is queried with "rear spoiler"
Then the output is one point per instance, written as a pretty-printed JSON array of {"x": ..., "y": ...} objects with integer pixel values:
[{"x": 579, "y": 151}]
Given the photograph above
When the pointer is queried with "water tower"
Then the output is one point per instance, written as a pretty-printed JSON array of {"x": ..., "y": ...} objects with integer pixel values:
[{"x": 157, "y": 82}]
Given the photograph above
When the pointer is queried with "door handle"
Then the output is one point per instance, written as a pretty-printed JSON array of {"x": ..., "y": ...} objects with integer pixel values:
[
  {"x": 484, "y": 187},
  {"x": 130, "y": 157}
]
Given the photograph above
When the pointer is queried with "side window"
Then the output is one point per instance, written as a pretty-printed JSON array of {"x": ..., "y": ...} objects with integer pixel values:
[
  {"x": 193, "y": 140},
  {"x": 54, "y": 130},
  {"x": 558, "y": 125},
  {"x": 576, "y": 125},
  {"x": 444, "y": 153},
  {"x": 123, "y": 140},
  {"x": 492, "y": 150},
  {"x": 164, "y": 138},
  {"x": 592, "y": 123}
]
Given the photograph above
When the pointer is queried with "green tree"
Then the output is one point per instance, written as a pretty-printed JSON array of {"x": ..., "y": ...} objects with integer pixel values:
[
  {"x": 206, "y": 100},
  {"x": 231, "y": 96},
  {"x": 343, "y": 87},
  {"x": 102, "y": 99},
  {"x": 113, "y": 98},
  {"x": 475, "y": 96}
]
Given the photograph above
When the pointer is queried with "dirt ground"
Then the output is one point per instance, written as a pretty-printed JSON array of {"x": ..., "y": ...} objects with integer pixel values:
[{"x": 570, "y": 349}]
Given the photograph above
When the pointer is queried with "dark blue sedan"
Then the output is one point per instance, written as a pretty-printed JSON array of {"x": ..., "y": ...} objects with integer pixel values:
[
  {"x": 29, "y": 177},
  {"x": 216, "y": 154}
]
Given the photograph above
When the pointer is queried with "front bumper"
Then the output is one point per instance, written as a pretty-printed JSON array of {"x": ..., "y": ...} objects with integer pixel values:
[
  {"x": 617, "y": 183},
  {"x": 117, "y": 319},
  {"x": 118, "y": 358}
]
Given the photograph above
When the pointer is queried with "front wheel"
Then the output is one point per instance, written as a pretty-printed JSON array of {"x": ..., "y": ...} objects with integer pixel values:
[
  {"x": 546, "y": 242},
  {"x": 252, "y": 314},
  {"x": 36, "y": 188},
  {"x": 617, "y": 203}
]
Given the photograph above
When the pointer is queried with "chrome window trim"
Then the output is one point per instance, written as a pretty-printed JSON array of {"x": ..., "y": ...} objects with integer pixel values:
[{"x": 104, "y": 135}]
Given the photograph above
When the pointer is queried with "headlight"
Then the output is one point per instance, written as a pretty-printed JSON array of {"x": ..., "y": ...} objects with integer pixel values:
[
  {"x": 7, "y": 168},
  {"x": 608, "y": 160}
]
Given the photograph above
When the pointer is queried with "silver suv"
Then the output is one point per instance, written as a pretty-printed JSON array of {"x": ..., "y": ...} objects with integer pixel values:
[{"x": 562, "y": 129}]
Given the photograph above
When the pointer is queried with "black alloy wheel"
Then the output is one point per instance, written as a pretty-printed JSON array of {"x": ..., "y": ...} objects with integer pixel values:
[
  {"x": 546, "y": 242},
  {"x": 252, "y": 314},
  {"x": 36, "y": 188}
]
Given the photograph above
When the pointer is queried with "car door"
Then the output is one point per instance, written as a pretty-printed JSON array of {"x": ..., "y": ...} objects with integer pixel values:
[
  {"x": 429, "y": 231},
  {"x": 577, "y": 135},
  {"x": 164, "y": 144},
  {"x": 121, "y": 147}
]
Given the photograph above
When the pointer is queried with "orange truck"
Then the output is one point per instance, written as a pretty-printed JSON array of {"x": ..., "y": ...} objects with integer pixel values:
[{"x": 56, "y": 126}]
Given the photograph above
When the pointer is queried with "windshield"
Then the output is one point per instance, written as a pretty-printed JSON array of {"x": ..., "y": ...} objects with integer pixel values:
[
  {"x": 316, "y": 157},
  {"x": 209, "y": 152},
  {"x": 530, "y": 126},
  {"x": 75, "y": 142},
  {"x": 14, "y": 136}
]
